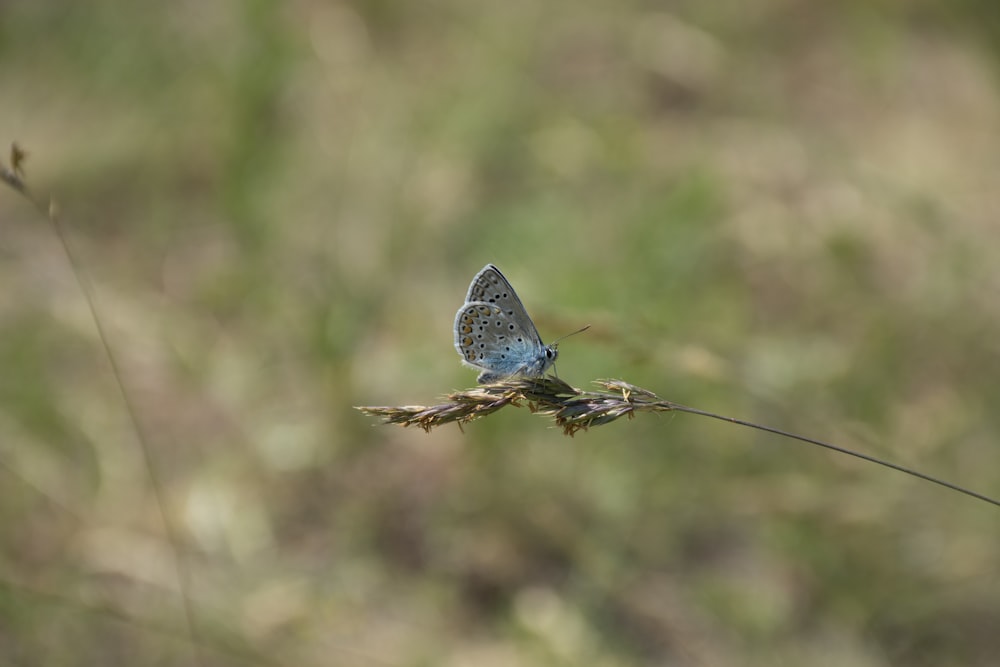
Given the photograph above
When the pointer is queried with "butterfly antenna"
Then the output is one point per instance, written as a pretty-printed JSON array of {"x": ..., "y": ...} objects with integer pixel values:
[{"x": 556, "y": 341}]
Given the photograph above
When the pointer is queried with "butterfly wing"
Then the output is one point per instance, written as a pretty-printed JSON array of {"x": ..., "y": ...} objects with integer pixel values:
[
  {"x": 494, "y": 334},
  {"x": 490, "y": 286}
]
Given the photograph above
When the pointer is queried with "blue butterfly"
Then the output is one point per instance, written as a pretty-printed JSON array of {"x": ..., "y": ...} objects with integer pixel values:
[{"x": 494, "y": 334}]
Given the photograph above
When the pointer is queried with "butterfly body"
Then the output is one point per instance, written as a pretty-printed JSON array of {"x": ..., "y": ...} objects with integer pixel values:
[{"x": 494, "y": 334}]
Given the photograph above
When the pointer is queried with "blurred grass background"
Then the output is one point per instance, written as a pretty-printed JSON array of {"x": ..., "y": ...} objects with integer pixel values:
[{"x": 784, "y": 211}]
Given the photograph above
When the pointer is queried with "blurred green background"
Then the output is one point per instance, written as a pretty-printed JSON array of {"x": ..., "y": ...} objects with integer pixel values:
[{"x": 783, "y": 211}]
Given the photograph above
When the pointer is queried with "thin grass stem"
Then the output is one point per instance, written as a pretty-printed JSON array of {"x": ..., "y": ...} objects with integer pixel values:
[
  {"x": 14, "y": 177},
  {"x": 575, "y": 410}
]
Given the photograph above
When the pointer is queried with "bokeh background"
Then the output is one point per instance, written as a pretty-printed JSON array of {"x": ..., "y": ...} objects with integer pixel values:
[{"x": 779, "y": 210}]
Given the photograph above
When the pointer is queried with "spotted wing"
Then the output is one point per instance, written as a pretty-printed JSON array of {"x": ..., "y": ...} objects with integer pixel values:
[
  {"x": 488, "y": 341},
  {"x": 490, "y": 286}
]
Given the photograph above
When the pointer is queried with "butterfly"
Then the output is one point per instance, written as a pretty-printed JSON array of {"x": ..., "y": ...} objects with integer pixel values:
[{"x": 494, "y": 334}]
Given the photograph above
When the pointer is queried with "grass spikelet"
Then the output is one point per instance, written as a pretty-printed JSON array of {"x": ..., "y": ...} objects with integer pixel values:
[{"x": 573, "y": 409}]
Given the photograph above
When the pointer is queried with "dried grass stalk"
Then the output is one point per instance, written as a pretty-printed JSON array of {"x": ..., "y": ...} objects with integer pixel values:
[
  {"x": 575, "y": 410},
  {"x": 572, "y": 408}
]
